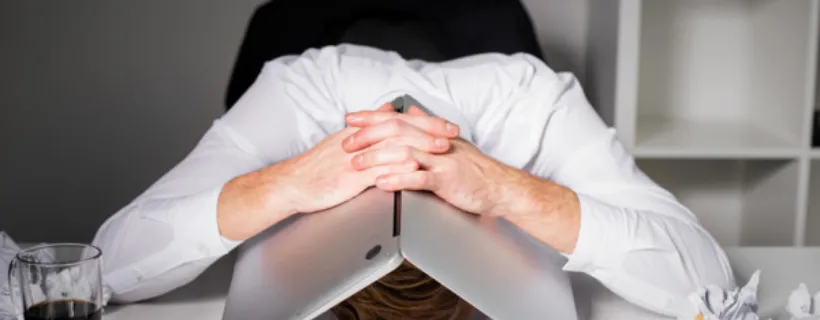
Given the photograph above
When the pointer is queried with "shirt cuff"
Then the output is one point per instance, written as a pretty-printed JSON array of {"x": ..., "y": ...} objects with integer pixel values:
[
  {"x": 197, "y": 224},
  {"x": 594, "y": 237}
]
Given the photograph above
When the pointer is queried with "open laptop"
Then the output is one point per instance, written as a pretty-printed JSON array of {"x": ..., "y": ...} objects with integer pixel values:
[{"x": 304, "y": 266}]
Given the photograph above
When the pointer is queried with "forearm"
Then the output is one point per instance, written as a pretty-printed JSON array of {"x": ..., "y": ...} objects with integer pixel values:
[
  {"x": 156, "y": 245},
  {"x": 251, "y": 203},
  {"x": 651, "y": 259},
  {"x": 547, "y": 211}
]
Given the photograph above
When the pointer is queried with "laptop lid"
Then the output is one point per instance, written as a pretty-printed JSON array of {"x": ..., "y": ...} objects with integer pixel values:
[
  {"x": 305, "y": 265},
  {"x": 490, "y": 263}
]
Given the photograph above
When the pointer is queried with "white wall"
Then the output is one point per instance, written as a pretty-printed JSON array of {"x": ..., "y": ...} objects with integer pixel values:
[
  {"x": 99, "y": 98},
  {"x": 562, "y": 31}
]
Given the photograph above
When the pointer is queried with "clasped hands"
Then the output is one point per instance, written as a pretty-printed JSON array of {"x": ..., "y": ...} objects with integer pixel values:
[
  {"x": 395, "y": 151},
  {"x": 398, "y": 151}
]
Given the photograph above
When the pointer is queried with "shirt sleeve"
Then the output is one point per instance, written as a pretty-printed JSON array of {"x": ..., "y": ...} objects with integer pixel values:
[
  {"x": 635, "y": 237},
  {"x": 169, "y": 234}
]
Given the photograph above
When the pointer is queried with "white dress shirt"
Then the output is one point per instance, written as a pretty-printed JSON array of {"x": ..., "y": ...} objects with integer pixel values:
[{"x": 635, "y": 237}]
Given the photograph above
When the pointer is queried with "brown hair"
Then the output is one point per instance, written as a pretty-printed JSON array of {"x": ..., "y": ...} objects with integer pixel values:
[{"x": 405, "y": 293}]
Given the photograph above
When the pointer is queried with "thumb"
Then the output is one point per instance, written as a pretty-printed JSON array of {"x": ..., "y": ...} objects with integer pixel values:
[{"x": 386, "y": 107}]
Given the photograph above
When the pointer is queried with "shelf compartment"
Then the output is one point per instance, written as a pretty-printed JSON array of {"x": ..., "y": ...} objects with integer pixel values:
[
  {"x": 668, "y": 137},
  {"x": 741, "y": 202},
  {"x": 723, "y": 75},
  {"x": 812, "y": 227}
]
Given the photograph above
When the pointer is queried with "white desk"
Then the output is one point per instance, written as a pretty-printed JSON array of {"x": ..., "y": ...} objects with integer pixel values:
[{"x": 782, "y": 270}]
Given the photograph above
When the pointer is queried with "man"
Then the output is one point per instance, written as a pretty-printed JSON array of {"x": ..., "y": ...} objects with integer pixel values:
[{"x": 519, "y": 141}]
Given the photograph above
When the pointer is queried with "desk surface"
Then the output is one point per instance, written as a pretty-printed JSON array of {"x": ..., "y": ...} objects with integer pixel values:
[{"x": 782, "y": 270}]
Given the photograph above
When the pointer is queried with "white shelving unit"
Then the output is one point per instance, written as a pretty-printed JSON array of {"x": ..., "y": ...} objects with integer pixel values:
[{"x": 715, "y": 100}]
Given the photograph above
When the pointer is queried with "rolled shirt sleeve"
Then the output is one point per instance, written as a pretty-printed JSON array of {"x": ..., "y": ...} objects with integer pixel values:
[{"x": 635, "y": 237}]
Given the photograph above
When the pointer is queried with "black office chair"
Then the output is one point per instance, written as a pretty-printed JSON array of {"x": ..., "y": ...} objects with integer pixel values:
[{"x": 431, "y": 30}]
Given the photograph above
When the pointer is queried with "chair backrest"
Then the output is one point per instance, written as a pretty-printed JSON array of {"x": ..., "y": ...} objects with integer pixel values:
[
  {"x": 431, "y": 30},
  {"x": 408, "y": 38}
]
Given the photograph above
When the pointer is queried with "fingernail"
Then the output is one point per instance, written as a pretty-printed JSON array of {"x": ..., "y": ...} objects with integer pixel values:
[
  {"x": 451, "y": 128},
  {"x": 441, "y": 143},
  {"x": 353, "y": 118},
  {"x": 349, "y": 141}
]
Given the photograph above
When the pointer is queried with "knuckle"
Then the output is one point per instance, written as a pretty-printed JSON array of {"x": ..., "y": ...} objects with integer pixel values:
[
  {"x": 439, "y": 169},
  {"x": 430, "y": 142},
  {"x": 387, "y": 143},
  {"x": 447, "y": 164},
  {"x": 360, "y": 161},
  {"x": 359, "y": 135},
  {"x": 369, "y": 157}
]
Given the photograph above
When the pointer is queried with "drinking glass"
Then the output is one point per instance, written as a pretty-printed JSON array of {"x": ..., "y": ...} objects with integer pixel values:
[{"x": 57, "y": 282}]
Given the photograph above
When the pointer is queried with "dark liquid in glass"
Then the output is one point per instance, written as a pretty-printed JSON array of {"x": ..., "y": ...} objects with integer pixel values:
[{"x": 64, "y": 310}]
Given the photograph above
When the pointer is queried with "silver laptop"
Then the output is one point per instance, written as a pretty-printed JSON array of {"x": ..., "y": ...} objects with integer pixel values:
[{"x": 305, "y": 266}]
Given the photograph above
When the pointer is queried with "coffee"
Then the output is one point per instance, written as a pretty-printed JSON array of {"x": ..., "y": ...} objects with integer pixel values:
[{"x": 64, "y": 310}]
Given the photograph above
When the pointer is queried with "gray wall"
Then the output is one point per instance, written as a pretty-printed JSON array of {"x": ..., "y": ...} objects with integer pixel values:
[{"x": 100, "y": 98}]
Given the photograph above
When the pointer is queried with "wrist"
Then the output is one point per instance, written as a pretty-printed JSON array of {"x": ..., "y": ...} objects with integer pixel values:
[
  {"x": 513, "y": 194},
  {"x": 251, "y": 203},
  {"x": 282, "y": 196}
]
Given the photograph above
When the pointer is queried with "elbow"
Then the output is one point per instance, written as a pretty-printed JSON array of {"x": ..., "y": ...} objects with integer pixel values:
[
  {"x": 162, "y": 284},
  {"x": 715, "y": 265},
  {"x": 143, "y": 292},
  {"x": 701, "y": 257},
  {"x": 128, "y": 297},
  {"x": 140, "y": 294},
  {"x": 661, "y": 260},
  {"x": 694, "y": 257},
  {"x": 688, "y": 259}
]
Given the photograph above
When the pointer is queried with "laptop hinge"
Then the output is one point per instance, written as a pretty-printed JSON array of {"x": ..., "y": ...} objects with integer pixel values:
[
  {"x": 396, "y": 213},
  {"x": 400, "y": 105}
]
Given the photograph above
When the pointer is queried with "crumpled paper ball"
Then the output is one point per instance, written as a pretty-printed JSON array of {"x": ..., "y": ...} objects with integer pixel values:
[
  {"x": 715, "y": 303},
  {"x": 802, "y": 306},
  {"x": 8, "y": 249}
]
